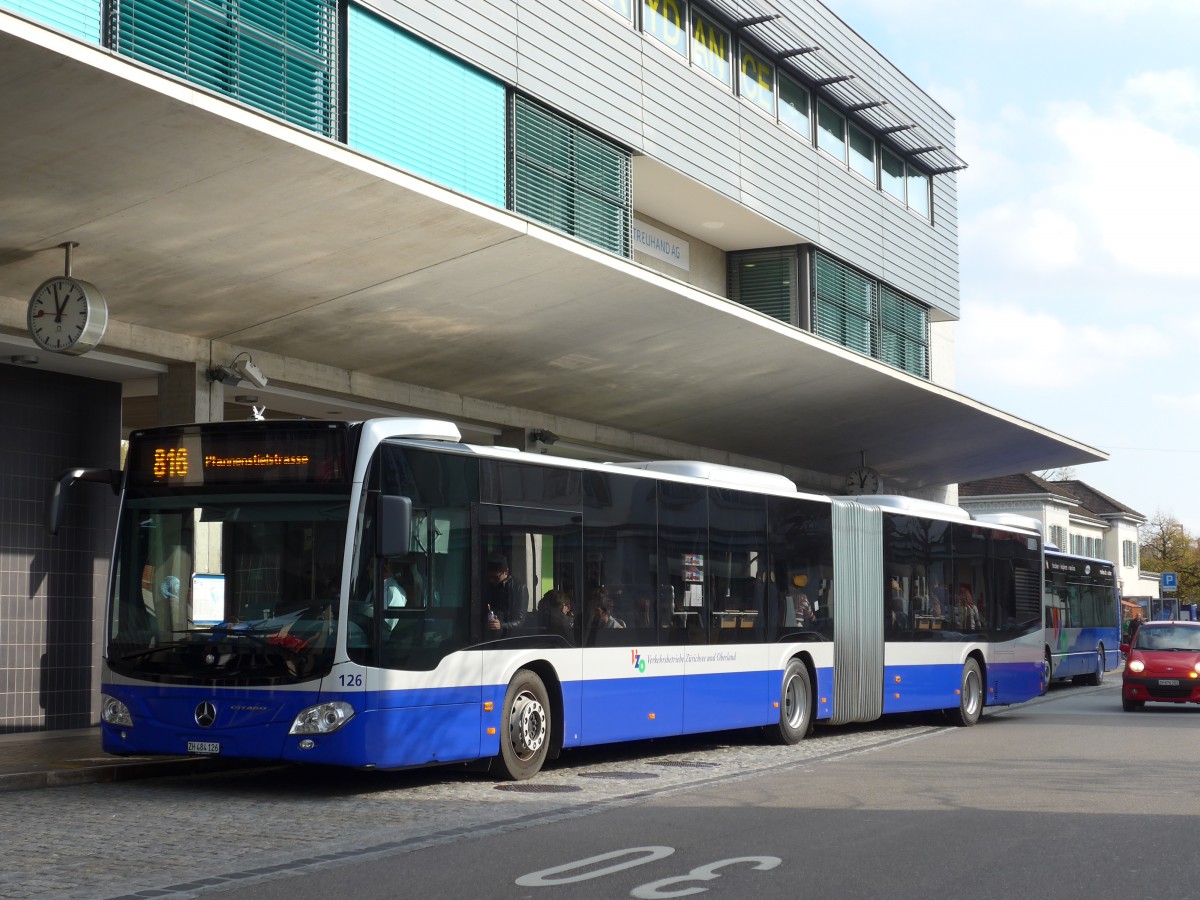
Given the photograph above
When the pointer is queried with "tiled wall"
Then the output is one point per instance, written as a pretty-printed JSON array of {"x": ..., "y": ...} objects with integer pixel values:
[{"x": 52, "y": 588}]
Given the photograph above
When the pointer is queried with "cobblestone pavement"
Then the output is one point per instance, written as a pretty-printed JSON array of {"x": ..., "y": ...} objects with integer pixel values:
[{"x": 178, "y": 837}]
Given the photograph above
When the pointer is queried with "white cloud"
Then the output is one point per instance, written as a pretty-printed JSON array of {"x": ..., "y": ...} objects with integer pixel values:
[
  {"x": 1171, "y": 99},
  {"x": 1109, "y": 192},
  {"x": 1028, "y": 240},
  {"x": 1025, "y": 348},
  {"x": 1136, "y": 187},
  {"x": 1177, "y": 404},
  {"x": 1116, "y": 10}
]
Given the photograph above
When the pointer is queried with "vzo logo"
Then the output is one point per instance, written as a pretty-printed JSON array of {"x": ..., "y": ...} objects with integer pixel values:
[{"x": 639, "y": 661}]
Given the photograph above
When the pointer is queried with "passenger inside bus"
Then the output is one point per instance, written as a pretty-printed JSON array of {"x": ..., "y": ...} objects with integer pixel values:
[
  {"x": 602, "y": 616},
  {"x": 898, "y": 615},
  {"x": 505, "y": 598},
  {"x": 555, "y": 611}
]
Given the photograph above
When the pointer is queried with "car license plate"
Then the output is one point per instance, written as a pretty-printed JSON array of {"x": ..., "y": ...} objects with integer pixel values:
[
  {"x": 1168, "y": 682},
  {"x": 204, "y": 748}
]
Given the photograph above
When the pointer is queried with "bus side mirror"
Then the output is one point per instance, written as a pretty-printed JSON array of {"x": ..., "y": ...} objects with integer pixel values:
[
  {"x": 58, "y": 494},
  {"x": 393, "y": 532}
]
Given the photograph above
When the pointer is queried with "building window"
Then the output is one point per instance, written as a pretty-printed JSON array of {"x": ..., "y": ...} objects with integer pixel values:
[
  {"x": 455, "y": 135},
  {"x": 918, "y": 192},
  {"x": 569, "y": 178},
  {"x": 711, "y": 49},
  {"x": 856, "y": 311},
  {"x": 794, "y": 107},
  {"x": 831, "y": 131},
  {"x": 1129, "y": 554},
  {"x": 847, "y": 306},
  {"x": 81, "y": 18},
  {"x": 278, "y": 56},
  {"x": 862, "y": 153},
  {"x": 765, "y": 280},
  {"x": 891, "y": 174},
  {"x": 666, "y": 21},
  {"x": 621, "y": 7},
  {"x": 844, "y": 304},
  {"x": 757, "y": 80},
  {"x": 1058, "y": 536},
  {"x": 903, "y": 332}
]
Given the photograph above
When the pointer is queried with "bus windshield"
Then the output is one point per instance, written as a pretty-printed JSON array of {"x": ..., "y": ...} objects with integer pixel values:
[{"x": 227, "y": 590}]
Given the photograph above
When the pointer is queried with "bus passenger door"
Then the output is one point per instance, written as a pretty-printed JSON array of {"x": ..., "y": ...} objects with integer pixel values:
[{"x": 528, "y": 575}]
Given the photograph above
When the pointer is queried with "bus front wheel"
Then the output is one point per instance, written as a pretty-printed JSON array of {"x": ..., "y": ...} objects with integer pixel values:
[
  {"x": 970, "y": 696},
  {"x": 795, "y": 705},
  {"x": 525, "y": 735}
]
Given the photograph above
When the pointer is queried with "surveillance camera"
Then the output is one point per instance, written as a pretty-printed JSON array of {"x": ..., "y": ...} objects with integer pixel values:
[{"x": 250, "y": 372}]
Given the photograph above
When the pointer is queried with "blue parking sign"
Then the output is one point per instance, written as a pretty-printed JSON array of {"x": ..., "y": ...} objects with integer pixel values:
[{"x": 1168, "y": 581}]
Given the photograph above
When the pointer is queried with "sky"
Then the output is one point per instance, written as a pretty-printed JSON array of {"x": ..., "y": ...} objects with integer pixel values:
[{"x": 1079, "y": 219}]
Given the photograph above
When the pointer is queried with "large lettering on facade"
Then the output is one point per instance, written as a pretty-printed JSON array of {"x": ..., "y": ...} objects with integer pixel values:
[
  {"x": 757, "y": 82},
  {"x": 710, "y": 48},
  {"x": 666, "y": 20}
]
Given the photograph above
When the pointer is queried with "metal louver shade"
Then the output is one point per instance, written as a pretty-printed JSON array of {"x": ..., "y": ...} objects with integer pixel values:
[
  {"x": 844, "y": 304},
  {"x": 278, "y": 56},
  {"x": 765, "y": 281},
  {"x": 569, "y": 178}
]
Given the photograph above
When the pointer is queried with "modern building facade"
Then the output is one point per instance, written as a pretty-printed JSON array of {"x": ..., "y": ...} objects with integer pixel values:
[
  {"x": 599, "y": 228},
  {"x": 1078, "y": 519}
]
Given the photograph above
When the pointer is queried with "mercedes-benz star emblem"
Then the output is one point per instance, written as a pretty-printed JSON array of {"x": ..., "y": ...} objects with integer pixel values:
[{"x": 206, "y": 714}]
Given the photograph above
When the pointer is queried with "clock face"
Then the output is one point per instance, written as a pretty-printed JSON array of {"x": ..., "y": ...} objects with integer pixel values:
[
  {"x": 863, "y": 480},
  {"x": 67, "y": 315}
]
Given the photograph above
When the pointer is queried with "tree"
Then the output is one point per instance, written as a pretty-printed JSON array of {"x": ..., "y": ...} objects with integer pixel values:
[
  {"x": 1168, "y": 547},
  {"x": 1065, "y": 473}
]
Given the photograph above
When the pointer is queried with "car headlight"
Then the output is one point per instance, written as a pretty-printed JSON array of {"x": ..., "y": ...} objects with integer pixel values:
[
  {"x": 1136, "y": 665},
  {"x": 114, "y": 712},
  {"x": 324, "y": 718}
]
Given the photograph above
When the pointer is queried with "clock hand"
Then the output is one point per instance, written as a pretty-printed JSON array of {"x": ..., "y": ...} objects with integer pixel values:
[{"x": 58, "y": 307}]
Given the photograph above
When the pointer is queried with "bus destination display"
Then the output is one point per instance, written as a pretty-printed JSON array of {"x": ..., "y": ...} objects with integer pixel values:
[{"x": 195, "y": 457}]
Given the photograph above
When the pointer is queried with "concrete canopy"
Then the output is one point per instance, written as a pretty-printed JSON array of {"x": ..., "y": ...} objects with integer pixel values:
[{"x": 200, "y": 217}]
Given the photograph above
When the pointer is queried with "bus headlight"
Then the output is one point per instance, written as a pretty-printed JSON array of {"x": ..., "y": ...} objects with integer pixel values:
[
  {"x": 114, "y": 712},
  {"x": 1136, "y": 665},
  {"x": 324, "y": 718}
]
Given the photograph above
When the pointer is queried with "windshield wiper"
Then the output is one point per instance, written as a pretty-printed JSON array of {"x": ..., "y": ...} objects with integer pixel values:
[{"x": 138, "y": 654}]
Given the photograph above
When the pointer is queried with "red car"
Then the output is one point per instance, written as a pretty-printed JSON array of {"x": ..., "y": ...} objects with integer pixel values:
[{"x": 1162, "y": 665}]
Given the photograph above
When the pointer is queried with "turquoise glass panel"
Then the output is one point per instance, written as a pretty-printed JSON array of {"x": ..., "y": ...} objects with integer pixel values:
[
  {"x": 80, "y": 18},
  {"x": 413, "y": 106}
]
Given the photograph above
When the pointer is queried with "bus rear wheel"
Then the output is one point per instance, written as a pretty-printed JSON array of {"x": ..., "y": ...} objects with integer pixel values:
[
  {"x": 795, "y": 705},
  {"x": 525, "y": 736},
  {"x": 970, "y": 696},
  {"x": 1097, "y": 677}
]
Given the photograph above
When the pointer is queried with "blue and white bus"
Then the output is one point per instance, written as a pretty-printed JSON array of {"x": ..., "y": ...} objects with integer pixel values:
[
  {"x": 1083, "y": 617},
  {"x": 319, "y": 592}
]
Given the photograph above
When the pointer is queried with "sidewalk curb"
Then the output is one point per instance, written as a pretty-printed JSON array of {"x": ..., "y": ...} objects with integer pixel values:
[{"x": 89, "y": 772}]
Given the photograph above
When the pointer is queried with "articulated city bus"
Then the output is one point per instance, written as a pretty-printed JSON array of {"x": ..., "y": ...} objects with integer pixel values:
[
  {"x": 1083, "y": 617},
  {"x": 381, "y": 595}
]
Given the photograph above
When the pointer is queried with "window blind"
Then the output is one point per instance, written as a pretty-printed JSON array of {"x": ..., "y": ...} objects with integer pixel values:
[
  {"x": 278, "y": 56},
  {"x": 569, "y": 178}
]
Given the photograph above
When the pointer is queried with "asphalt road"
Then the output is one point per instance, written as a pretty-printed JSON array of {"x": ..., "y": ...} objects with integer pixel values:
[{"x": 1065, "y": 797}]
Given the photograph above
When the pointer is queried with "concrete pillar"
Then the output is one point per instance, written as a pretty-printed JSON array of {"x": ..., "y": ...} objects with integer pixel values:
[
  {"x": 185, "y": 394},
  {"x": 513, "y": 437}
]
